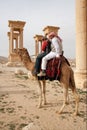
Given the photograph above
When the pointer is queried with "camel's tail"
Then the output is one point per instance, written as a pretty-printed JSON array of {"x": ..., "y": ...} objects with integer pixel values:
[{"x": 72, "y": 81}]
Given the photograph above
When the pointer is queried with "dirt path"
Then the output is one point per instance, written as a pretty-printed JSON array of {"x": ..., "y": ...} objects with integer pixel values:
[{"x": 19, "y": 100}]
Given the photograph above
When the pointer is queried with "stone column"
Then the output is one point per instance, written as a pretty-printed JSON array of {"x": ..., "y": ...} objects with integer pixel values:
[
  {"x": 21, "y": 39},
  {"x": 40, "y": 49},
  {"x": 11, "y": 41},
  {"x": 17, "y": 43},
  {"x": 81, "y": 43},
  {"x": 36, "y": 48}
]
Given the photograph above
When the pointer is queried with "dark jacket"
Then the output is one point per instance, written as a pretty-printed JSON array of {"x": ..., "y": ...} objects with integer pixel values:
[{"x": 48, "y": 47}]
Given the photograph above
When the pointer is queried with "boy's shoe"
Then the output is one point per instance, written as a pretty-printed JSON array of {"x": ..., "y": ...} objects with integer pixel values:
[
  {"x": 42, "y": 74},
  {"x": 35, "y": 72}
]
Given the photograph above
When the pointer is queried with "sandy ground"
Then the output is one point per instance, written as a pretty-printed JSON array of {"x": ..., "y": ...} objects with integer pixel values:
[{"x": 19, "y": 100}]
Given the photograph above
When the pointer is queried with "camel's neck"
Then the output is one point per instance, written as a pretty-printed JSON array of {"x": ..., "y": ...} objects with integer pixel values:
[{"x": 28, "y": 64}]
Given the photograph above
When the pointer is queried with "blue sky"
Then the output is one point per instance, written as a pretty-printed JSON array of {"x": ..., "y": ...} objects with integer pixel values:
[{"x": 38, "y": 14}]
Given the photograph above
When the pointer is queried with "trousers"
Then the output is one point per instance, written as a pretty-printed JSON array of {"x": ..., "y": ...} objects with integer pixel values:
[
  {"x": 49, "y": 56},
  {"x": 38, "y": 61}
]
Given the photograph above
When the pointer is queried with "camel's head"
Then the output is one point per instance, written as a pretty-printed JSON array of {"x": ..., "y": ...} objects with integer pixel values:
[
  {"x": 20, "y": 52},
  {"x": 23, "y": 54}
]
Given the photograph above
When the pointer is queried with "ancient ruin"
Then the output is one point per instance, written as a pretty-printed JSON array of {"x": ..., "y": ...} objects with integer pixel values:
[
  {"x": 15, "y": 39},
  {"x": 38, "y": 43}
]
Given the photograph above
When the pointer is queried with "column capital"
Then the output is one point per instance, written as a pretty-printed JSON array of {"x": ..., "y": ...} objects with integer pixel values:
[{"x": 21, "y": 29}]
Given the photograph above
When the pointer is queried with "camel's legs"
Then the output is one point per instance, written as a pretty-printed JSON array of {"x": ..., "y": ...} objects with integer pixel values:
[
  {"x": 65, "y": 91},
  {"x": 76, "y": 96},
  {"x": 44, "y": 92},
  {"x": 40, "y": 95}
]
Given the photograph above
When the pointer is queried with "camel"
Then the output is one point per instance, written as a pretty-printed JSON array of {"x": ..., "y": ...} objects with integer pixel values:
[{"x": 66, "y": 80}]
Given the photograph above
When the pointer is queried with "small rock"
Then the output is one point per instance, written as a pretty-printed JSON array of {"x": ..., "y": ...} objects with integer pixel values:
[
  {"x": 31, "y": 126},
  {"x": 19, "y": 71}
]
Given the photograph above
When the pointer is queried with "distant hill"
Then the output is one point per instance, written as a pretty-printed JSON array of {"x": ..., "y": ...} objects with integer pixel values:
[{"x": 3, "y": 59}]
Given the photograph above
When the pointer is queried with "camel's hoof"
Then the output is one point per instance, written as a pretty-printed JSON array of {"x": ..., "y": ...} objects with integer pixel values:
[
  {"x": 39, "y": 106},
  {"x": 75, "y": 113},
  {"x": 59, "y": 112},
  {"x": 67, "y": 103},
  {"x": 45, "y": 103}
]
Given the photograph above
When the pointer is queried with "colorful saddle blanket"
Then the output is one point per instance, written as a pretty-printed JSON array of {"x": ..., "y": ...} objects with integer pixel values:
[{"x": 53, "y": 70}]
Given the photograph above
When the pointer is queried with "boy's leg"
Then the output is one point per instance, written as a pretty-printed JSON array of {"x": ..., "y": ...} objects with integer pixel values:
[
  {"x": 46, "y": 58},
  {"x": 38, "y": 62},
  {"x": 44, "y": 63}
]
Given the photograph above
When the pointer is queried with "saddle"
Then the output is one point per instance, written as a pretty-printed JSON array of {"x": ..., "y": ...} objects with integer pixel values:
[{"x": 53, "y": 69}]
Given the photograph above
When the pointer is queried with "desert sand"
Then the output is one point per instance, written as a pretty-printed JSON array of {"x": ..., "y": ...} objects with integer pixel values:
[{"x": 19, "y": 100}]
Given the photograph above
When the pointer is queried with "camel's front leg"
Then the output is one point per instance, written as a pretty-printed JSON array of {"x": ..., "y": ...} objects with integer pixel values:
[
  {"x": 40, "y": 95},
  {"x": 65, "y": 100},
  {"x": 44, "y": 92}
]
